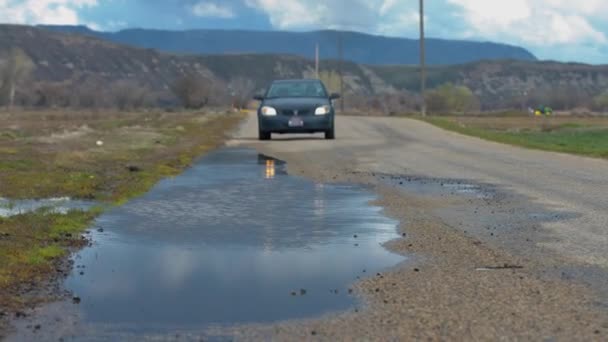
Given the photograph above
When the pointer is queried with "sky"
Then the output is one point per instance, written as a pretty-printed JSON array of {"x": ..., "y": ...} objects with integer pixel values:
[{"x": 565, "y": 30}]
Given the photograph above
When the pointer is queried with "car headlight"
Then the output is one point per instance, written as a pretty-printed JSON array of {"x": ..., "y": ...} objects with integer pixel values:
[
  {"x": 268, "y": 111},
  {"x": 323, "y": 110}
]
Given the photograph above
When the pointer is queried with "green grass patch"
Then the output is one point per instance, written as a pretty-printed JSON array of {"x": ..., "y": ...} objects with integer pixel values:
[
  {"x": 41, "y": 255},
  {"x": 568, "y": 138}
]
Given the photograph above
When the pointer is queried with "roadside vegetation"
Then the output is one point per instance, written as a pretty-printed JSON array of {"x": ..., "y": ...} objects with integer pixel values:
[
  {"x": 103, "y": 156},
  {"x": 586, "y": 136},
  {"x": 74, "y": 139}
]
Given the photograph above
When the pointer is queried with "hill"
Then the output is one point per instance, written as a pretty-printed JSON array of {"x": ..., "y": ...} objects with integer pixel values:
[
  {"x": 80, "y": 61},
  {"x": 358, "y": 47}
]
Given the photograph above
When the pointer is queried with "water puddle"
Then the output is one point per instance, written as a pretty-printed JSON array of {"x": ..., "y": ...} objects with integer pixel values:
[
  {"x": 232, "y": 240},
  {"x": 59, "y": 205},
  {"x": 438, "y": 186}
]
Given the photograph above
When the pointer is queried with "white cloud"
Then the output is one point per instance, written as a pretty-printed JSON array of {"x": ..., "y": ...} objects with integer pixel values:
[
  {"x": 386, "y": 6},
  {"x": 42, "y": 11},
  {"x": 292, "y": 14},
  {"x": 534, "y": 21},
  {"x": 211, "y": 10},
  {"x": 560, "y": 27}
]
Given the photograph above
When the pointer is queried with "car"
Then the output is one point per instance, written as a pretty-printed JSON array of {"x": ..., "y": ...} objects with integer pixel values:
[{"x": 296, "y": 106}]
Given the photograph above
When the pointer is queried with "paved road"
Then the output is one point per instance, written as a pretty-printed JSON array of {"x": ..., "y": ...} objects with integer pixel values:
[
  {"x": 509, "y": 243},
  {"x": 564, "y": 183}
]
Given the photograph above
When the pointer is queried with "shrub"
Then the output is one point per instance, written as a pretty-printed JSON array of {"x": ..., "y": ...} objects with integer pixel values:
[
  {"x": 600, "y": 102},
  {"x": 192, "y": 91},
  {"x": 452, "y": 98}
]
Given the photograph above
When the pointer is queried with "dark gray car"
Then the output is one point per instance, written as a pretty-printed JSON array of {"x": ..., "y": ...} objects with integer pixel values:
[{"x": 296, "y": 106}]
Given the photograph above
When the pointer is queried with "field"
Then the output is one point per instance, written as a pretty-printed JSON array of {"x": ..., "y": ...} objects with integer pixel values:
[
  {"x": 578, "y": 135},
  {"x": 103, "y": 157}
]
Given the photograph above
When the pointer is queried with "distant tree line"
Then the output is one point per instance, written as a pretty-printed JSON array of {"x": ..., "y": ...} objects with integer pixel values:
[{"x": 19, "y": 87}]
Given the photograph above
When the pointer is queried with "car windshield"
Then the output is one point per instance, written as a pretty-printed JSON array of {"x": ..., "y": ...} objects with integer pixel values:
[{"x": 296, "y": 89}]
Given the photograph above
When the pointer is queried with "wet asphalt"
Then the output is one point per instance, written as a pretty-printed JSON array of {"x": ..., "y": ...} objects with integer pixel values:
[{"x": 233, "y": 240}]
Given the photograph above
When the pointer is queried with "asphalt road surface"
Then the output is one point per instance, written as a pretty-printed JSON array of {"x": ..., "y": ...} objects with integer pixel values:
[{"x": 509, "y": 243}]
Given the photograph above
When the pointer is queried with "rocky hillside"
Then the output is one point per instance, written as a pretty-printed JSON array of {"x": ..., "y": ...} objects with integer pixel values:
[
  {"x": 504, "y": 84},
  {"x": 357, "y": 47},
  {"x": 62, "y": 57}
]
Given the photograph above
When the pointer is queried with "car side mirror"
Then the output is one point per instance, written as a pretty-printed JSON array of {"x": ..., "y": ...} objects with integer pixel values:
[
  {"x": 258, "y": 97},
  {"x": 334, "y": 96}
]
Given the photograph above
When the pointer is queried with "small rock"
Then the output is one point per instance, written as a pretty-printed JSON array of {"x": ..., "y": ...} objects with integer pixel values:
[
  {"x": 302, "y": 292},
  {"x": 355, "y": 236},
  {"x": 403, "y": 234},
  {"x": 313, "y": 333},
  {"x": 76, "y": 300},
  {"x": 37, "y": 327},
  {"x": 100, "y": 230},
  {"x": 293, "y": 293},
  {"x": 350, "y": 291},
  {"x": 20, "y": 314},
  {"x": 416, "y": 270},
  {"x": 81, "y": 273},
  {"x": 377, "y": 290}
]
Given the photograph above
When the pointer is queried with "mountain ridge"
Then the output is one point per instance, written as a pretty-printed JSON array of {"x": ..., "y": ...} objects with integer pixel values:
[
  {"x": 73, "y": 59},
  {"x": 357, "y": 47}
]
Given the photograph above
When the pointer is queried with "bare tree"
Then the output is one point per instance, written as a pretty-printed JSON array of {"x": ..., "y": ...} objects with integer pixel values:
[
  {"x": 192, "y": 91},
  {"x": 14, "y": 71},
  {"x": 128, "y": 94},
  {"x": 241, "y": 91},
  {"x": 52, "y": 94}
]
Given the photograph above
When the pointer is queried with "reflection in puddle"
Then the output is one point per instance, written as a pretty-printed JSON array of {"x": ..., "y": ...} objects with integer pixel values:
[
  {"x": 59, "y": 205},
  {"x": 270, "y": 169},
  {"x": 221, "y": 244}
]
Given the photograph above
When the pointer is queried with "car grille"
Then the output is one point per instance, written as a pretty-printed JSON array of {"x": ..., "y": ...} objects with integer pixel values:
[{"x": 300, "y": 112}]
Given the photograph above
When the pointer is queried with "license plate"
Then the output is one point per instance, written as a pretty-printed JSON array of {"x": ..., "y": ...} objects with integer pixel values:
[{"x": 296, "y": 122}]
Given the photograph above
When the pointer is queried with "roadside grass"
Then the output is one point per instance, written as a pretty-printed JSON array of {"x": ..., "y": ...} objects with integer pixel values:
[
  {"x": 48, "y": 154},
  {"x": 576, "y": 135}
]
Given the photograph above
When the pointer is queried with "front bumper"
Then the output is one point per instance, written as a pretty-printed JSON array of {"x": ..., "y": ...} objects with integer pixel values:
[{"x": 280, "y": 124}]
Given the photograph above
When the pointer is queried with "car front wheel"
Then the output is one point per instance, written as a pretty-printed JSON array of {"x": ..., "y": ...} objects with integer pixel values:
[
  {"x": 330, "y": 134},
  {"x": 264, "y": 135}
]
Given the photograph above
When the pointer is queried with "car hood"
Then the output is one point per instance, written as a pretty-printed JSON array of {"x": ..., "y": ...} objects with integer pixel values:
[{"x": 296, "y": 102}]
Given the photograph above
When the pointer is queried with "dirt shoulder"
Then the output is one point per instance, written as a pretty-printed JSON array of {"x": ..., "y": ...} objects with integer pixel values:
[
  {"x": 479, "y": 266},
  {"x": 102, "y": 157}
]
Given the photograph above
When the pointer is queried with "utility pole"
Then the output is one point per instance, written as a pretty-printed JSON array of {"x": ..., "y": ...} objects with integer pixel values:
[
  {"x": 422, "y": 61},
  {"x": 317, "y": 61},
  {"x": 340, "y": 71}
]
